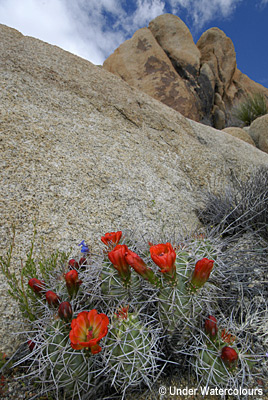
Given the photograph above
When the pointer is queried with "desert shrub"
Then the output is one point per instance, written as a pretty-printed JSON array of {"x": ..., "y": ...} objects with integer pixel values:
[
  {"x": 241, "y": 208},
  {"x": 251, "y": 108}
]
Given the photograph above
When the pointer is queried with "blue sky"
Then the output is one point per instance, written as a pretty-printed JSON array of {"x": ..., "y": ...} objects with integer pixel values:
[{"x": 93, "y": 29}]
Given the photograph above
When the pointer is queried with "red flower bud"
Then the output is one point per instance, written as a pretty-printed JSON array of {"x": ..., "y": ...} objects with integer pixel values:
[
  {"x": 37, "y": 285},
  {"x": 140, "y": 267},
  {"x": 73, "y": 264},
  {"x": 65, "y": 311},
  {"x": 82, "y": 261},
  {"x": 72, "y": 282},
  {"x": 201, "y": 273},
  {"x": 31, "y": 345},
  {"x": 164, "y": 256},
  {"x": 211, "y": 328},
  {"x": 118, "y": 258},
  {"x": 52, "y": 298},
  {"x": 229, "y": 356},
  {"x": 111, "y": 238}
]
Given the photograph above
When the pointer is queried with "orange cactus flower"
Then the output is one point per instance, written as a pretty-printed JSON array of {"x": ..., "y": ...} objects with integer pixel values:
[
  {"x": 87, "y": 330},
  {"x": 164, "y": 256},
  {"x": 201, "y": 273},
  {"x": 229, "y": 356},
  {"x": 211, "y": 328},
  {"x": 37, "y": 285},
  {"x": 140, "y": 267},
  {"x": 118, "y": 258},
  {"x": 227, "y": 337},
  {"x": 111, "y": 238}
]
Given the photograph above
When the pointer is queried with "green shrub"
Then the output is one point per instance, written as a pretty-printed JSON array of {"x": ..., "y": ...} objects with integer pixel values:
[{"x": 251, "y": 108}]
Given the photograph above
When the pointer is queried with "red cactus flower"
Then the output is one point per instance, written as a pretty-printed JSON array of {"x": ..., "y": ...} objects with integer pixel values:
[
  {"x": 229, "y": 356},
  {"x": 211, "y": 328},
  {"x": 227, "y": 337},
  {"x": 201, "y": 273},
  {"x": 122, "y": 313},
  {"x": 164, "y": 256},
  {"x": 72, "y": 282},
  {"x": 88, "y": 329},
  {"x": 37, "y": 285},
  {"x": 73, "y": 264},
  {"x": 140, "y": 267},
  {"x": 65, "y": 311},
  {"x": 118, "y": 258},
  {"x": 111, "y": 238},
  {"x": 52, "y": 298}
]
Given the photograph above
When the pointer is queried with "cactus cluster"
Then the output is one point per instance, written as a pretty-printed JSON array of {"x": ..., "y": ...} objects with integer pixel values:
[
  {"x": 112, "y": 321},
  {"x": 223, "y": 356}
]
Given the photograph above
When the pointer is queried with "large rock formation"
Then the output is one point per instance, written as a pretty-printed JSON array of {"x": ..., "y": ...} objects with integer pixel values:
[
  {"x": 204, "y": 83},
  {"x": 83, "y": 153},
  {"x": 142, "y": 63}
]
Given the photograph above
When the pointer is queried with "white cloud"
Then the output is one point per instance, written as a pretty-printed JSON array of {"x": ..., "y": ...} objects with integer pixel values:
[
  {"x": 147, "y": 10},
  {"x": 202, "y": 11},
  {"x": 77, "y": 26},
  {"x": 89, "y": 28},
  {"x": 39, "y": 18}
]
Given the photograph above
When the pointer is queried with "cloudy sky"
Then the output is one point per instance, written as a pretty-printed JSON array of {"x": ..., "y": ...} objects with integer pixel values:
[{"x": 93, "y": 29}]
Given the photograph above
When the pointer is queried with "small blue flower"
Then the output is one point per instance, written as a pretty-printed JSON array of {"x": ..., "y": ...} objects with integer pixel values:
[{"x": 84, "y": 248}]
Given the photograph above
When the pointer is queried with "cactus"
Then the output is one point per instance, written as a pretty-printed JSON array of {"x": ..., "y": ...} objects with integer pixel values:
[
  {"x": 59, "y": 364},
  {"x": 167, "y": 291},
  {"x": 131, "y": 351},
  {"x": 113, "y": 289},
  {"x": 180, "y": 303},
  {"x": 117, "y": 281},
  {"x": 220, "y": 358},
  {"x": 71, "y": 370}
]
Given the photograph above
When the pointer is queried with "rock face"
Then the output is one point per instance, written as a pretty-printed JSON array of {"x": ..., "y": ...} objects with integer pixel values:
[
  {"x": 217, "y": 50},
  {"x": 84, "y": 153},
  {"x": 204, "y": 83},
  {"x": 142, "y": 63},
  {"x": 175, "y": 39},
  {"x": 228, "y": 83},
  {"x": 258, "y": 131}
]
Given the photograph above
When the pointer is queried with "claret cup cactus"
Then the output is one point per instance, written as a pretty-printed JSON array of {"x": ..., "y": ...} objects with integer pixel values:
[
  {"x": 221, "y": 358},
  {"x": 112, "y": 321},
  {"x": 131, "y": 351}
]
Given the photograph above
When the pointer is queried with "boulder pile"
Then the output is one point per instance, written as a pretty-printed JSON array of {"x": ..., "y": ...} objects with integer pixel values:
[{"x": 200, "y": 80}]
